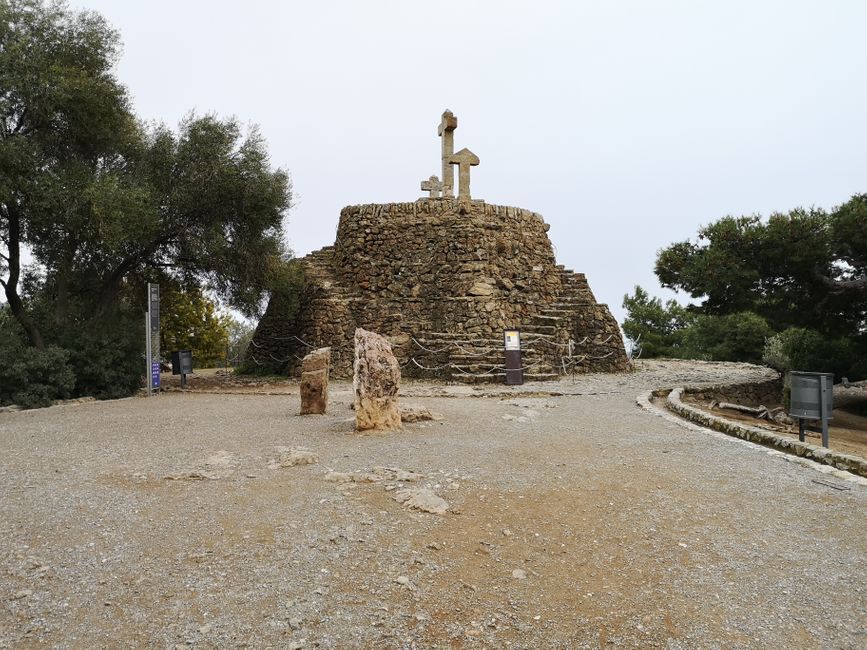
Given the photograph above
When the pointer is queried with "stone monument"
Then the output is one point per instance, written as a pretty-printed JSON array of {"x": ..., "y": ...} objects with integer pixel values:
[
  {"x": 315, "y": 368},
  {"x": 375, "y": 382},
  {"x": 443, "y": 277}
]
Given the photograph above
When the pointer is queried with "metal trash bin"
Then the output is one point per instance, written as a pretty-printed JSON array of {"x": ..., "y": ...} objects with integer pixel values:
[
  {"x": 182, "y": 364},
  {"x": 812, "y": 398}
]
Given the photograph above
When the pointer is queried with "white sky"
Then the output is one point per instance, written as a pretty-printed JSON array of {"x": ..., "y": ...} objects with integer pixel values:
[{"x": 626, "y": 124}]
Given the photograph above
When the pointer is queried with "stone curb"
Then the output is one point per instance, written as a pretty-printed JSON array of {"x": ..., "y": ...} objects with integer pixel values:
[
  {"x": 845, "y": 462},
  {"x": 643, "y": 401},
  {"x": 66, "y": 402}
]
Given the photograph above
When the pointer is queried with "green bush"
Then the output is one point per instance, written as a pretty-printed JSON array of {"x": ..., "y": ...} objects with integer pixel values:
[
  {"x": 31, "y": 378},
  {"x": 807, "y": 350},
  {"x": 733, "y": 337},
  {"x": 108, "y": 364}
]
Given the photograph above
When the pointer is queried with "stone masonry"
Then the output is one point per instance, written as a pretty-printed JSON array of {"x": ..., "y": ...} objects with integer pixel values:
[
  {"x": 443, "y": 286},
  {"x": 442, "y": 277}
]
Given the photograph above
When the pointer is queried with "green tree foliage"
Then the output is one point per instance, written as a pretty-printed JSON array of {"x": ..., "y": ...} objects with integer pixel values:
[
  {"x": 240, "y": 335},
  {"x": 656, "y": 327},
  {"x": 802, "y": 274},
  {"x": 106, "y": 205},
  {"x": 807, "y": 268},
  {"x": 798, "y": 348},
  {"x": 29, "y": 376},
  {"x": 190, "y": 321},
  {"x": 731, "y": 337},
  {"x": 62, "y": 117}
]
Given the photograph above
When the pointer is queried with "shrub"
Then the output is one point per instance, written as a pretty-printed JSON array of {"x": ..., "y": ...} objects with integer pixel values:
[
  {"x": 31, "y": 378},
  {"x": 108, "y": 364},
  {"x": 733, "y": 337},
  {"x": 807, "y": 350}
]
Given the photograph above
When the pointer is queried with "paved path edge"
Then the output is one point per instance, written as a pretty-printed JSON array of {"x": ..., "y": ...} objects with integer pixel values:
[{"x": 643, "y": 401}]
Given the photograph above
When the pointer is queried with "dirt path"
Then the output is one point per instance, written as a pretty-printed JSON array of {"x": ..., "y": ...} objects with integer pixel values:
[{"x": 575, "y": 521}]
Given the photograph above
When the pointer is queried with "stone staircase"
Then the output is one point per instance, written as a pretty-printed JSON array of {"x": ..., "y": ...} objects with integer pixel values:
[
  {"x": 319, "y": 271},
  {"x": 453, "y": 356}
]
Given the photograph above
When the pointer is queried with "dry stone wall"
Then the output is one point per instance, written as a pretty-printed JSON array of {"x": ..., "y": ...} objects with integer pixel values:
[{"x": 442, "y": 278}]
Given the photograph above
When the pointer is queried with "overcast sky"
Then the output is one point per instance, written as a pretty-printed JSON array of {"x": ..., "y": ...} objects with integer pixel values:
[{"x": 627, "y": 125}]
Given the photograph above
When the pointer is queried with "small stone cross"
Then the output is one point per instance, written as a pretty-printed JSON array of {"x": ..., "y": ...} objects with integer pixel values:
[
  {"x": 464, "y": 159},
  {"x": 433, "y": 186},
  {"x": 446, "y": 130}
]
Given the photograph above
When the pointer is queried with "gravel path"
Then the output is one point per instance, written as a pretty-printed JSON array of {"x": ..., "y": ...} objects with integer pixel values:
[{"x": 575, "y": 520}]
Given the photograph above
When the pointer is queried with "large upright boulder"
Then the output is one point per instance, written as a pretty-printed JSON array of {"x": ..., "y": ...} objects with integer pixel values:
[
  {"x": 314, "y": 381},
  {"x": 376, "y": 380}
]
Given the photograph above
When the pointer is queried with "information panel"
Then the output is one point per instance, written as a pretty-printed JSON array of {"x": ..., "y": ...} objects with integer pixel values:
[
  {"x": 152, "y": 324},
  {"x": 514, "y": 371}
]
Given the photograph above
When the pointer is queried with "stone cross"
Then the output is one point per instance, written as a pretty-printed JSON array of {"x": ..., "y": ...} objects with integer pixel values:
[
  {"x": 433, "y": 186},
  {"x": 464, "y": 159},
  {"x": 446, "y": 131}
]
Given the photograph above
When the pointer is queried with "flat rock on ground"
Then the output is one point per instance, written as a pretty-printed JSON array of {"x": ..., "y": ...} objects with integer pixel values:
[{"x": 591, "y": 524}]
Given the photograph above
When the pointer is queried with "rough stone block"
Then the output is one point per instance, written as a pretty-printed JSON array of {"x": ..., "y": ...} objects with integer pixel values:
[
  {"x": 314, "y": 381},
  {"x": 376, "y": 381}
]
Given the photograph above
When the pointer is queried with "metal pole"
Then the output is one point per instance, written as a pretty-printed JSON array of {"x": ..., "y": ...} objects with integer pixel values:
[
  {"x": 148, "y": 372},
  {"x": 801, "y": 429},
  {"x": 823, "y": 386}
]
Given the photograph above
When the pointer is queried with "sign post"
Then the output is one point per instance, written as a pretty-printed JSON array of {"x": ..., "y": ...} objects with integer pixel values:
[
  {"x": 152, "y": 339},
  {"x": 512, "y": 343}
]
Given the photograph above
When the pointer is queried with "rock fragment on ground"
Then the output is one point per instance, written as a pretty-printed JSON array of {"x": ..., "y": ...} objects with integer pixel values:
[
  {"x": 193, "y": 475},
  {"x": 292, "y": 457},
  {"x": 353, "y": 477},
  {"x": 422, "y": 499},
  {"x": 397, "y": 474},
  {"x": 376, "y": 475},
  {"x": 413, "y": 413}
]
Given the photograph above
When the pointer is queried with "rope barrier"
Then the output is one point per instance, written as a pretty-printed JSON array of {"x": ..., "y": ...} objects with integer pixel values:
[{"x": 427, "y": 349}]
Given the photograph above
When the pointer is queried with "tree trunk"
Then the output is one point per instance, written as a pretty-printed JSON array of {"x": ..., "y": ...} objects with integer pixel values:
[
  {"x": 62, "y": 280},
  {"x": 10, "y": 286}
]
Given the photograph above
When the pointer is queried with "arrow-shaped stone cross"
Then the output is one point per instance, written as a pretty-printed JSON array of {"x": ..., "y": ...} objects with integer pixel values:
[{"x": 464, "y": 159}]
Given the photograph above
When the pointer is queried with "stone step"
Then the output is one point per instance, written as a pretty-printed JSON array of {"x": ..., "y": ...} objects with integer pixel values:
[
  {"x": 500, "y": 378},
  {"x": 560, "y": 314},
  {"x": 569, "y": 305},
  {"x": 528, "y": 357},
  {"x": 539, "y": 329}
]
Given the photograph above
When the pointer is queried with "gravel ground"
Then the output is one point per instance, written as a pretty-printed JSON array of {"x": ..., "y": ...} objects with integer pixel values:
[{"x": 575, "y": 520}]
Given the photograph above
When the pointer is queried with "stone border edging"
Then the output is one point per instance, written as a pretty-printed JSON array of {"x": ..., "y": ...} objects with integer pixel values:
[
  {"x": 643, "y": 401},
  {"x": 845, "y": 462}
]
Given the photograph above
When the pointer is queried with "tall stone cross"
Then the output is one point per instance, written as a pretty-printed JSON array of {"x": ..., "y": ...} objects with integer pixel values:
[
  {"x": 446, "y": 131},
  {"x": 432, "y": 186},
  {"x": 464, "y": 159}
]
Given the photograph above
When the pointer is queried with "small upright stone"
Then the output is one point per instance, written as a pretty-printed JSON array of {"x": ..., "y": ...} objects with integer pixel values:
[
  {"x": 376, "y": 380},
  {"x": 314, "y": 381}
]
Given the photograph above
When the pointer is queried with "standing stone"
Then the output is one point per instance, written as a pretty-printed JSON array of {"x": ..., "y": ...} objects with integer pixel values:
[
  {"x": 314, "y": 381},
  {"x": 376, "y": 380}
]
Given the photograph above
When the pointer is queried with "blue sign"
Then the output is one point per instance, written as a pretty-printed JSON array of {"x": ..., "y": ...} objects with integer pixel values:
[{"x": 155, "y": 374}]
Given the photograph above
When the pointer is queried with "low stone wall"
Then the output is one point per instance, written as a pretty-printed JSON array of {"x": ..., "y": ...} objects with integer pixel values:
[
  {"x": 764, "y": 393},
  {"x": 764, "y": 437}
]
